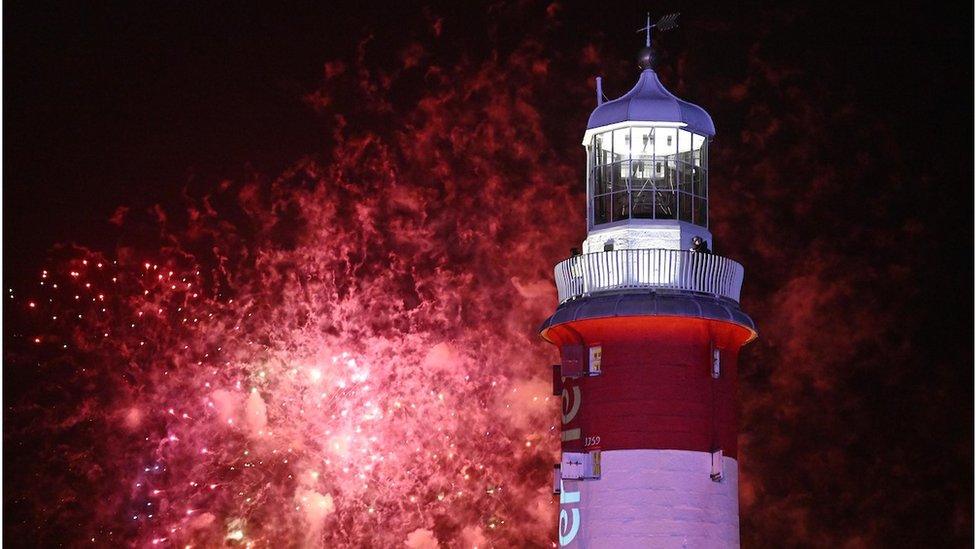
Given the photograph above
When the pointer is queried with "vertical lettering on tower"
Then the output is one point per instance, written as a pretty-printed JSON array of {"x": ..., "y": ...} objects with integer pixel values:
[{"x": 572, "y": 436}]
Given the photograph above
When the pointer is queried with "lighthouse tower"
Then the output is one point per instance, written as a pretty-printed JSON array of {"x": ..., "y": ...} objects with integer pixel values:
[{"x": 649, "y": 330}]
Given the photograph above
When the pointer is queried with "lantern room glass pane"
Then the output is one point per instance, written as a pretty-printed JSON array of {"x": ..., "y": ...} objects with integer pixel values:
[
  {"x": 642, "y": 202},
  {"x": 665, "y": 142},
  {"x": 603, "y": 179},
  {"x": 698, "y": 181},
  {"x": 603, "y": 146},
  {"x": 642, "y": 143},
  {"x": 685, "y": 177},
  {"x": 601, "y": 209},
  {"x": 665, "y": 204},
  {"x": 685, "y": 206},
  {"x": 700, "y": 213},
  {"x": 621, "y": 144},
  {"x": 621, "y": 207},
  {"x": 621, "y": 175}
]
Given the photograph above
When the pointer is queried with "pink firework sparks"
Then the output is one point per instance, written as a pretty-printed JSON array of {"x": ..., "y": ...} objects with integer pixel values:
[
  {"x": 278, "y": 415},
  {"x": 344, "y": 355}
]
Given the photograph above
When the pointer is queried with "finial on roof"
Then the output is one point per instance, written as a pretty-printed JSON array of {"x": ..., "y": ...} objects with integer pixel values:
[
  {"x": 646, "y": 57},
  {"x": 647, "y": 28}
]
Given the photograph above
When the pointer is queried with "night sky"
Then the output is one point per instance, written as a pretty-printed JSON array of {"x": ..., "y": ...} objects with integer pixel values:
[{"x": 311, "y": 246}]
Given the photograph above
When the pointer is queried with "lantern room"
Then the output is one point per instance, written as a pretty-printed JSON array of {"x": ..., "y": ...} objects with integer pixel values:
[
  {"x": 647, "y": 169},
  {"x": 648, "y": 172}
]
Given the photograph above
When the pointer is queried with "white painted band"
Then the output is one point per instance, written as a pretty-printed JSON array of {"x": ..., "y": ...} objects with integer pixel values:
[{"x": 652, "y": 498}]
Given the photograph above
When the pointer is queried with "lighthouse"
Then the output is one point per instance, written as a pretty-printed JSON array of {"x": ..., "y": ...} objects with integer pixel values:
[{"x": 649, "y": 330}]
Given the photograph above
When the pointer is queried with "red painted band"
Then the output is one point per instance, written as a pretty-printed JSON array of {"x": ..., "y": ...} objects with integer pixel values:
[{"x": 656, "y": 389}]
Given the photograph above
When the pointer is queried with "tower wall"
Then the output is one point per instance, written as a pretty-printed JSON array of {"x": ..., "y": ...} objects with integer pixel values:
[{"x": 657, "y": 414}]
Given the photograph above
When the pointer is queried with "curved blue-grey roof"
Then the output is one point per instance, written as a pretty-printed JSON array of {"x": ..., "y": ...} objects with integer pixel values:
[
  {"x": 650, "y": 304},
  {"x": 650, "y": 101}
]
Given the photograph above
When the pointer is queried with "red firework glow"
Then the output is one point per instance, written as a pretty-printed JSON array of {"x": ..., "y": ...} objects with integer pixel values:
[
  {"x": 346, "y": 354},
  {"x": 279, "y": 414}
]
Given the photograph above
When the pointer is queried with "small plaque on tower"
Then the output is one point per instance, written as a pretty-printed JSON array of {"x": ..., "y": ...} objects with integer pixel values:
[
  {"x": 580, "y": 465},
  {"x": 595, "y": 359}
]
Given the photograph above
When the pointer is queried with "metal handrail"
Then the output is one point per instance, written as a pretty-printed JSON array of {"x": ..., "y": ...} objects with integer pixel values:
[{"x": 678, "y": 270}]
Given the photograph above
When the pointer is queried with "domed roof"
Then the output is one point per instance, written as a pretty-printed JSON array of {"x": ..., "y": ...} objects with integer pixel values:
[{"x": 650, "y": 101}]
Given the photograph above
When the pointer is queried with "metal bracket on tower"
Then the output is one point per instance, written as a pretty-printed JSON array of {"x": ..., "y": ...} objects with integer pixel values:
[
  {"x": 579, "y": 361},
  {"x": 717, "y": 471},
  {"x": 716, "y": 363}
]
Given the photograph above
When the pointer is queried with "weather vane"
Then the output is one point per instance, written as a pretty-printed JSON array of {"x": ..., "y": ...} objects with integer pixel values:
[{"x": 666, "y": 22}]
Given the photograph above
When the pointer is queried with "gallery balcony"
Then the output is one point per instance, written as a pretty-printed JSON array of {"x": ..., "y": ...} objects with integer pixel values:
[{"x": 652, "y": 270}]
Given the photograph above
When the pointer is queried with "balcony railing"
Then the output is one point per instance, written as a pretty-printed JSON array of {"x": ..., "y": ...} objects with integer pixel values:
[{"x": 677, "y": 270}]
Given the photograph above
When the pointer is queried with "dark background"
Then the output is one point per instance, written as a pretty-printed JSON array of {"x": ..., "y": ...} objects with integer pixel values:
[{"x": 109, "y": 105}]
